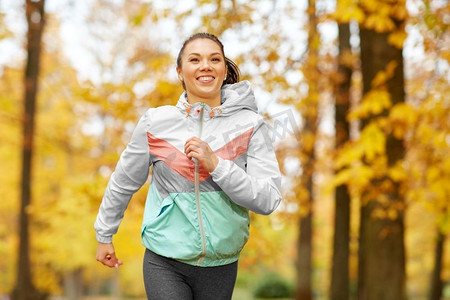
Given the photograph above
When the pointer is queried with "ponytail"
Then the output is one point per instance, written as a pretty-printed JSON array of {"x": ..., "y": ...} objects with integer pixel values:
[{"x": 233, "y": 72}]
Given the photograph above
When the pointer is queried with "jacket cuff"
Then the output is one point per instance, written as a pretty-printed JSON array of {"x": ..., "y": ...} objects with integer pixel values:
[
  {"x": 220, "y": 171},
  {"x": 103, "y": 239}
]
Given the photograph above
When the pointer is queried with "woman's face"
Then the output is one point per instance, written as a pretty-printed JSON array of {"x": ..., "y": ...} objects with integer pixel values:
[{"x": 202, "y": 70}]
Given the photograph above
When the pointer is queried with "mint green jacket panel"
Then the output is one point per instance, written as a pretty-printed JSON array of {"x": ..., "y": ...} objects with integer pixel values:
[
  {"x": 226, "y": 225},
  {"x": 171, "y": 227}
]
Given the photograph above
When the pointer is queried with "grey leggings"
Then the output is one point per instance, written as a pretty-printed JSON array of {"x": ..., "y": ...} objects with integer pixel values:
[{"x": 168, "y": 279}]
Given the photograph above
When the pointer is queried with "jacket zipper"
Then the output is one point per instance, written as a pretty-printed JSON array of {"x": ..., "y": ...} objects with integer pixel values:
[{"x": 197, "y": 188}]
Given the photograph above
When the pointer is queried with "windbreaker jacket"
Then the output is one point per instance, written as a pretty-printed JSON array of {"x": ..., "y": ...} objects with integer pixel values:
[{"x": 191, "y": 215}]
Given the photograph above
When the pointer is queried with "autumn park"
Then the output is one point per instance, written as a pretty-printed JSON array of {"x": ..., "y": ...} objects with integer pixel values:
[{"x": 356, "y": 94}]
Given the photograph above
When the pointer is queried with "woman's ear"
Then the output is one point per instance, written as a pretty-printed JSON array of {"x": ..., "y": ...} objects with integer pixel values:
[{"x": 179, "y": 74}]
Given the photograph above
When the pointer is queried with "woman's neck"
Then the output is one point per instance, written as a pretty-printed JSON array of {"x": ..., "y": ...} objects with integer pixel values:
[{"x": 211, "y": 102}]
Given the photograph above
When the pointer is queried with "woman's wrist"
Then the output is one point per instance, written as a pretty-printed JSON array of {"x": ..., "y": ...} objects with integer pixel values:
[{"x": 215, "y": 163}]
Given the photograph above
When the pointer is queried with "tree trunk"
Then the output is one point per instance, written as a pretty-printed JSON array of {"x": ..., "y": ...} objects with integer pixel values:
[
  {"x": 436, "y": 284},
  {"x": 340, "y": 281},
  {"x": 24, "y": 288},
  {"x": 382, "y": 250},
  {"x": 304, "y": 253},
  {"x": 309, "y": 114}
]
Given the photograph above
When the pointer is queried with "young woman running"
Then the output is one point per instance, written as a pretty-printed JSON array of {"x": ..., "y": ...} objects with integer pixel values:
[{"x": 213, "y": 161}]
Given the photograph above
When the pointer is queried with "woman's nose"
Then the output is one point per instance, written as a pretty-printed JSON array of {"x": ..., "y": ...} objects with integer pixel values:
[{"x": 204, "y": 64}]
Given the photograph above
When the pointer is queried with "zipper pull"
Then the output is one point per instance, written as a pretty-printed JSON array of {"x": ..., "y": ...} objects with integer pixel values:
[{"x": 200, "y": 109}]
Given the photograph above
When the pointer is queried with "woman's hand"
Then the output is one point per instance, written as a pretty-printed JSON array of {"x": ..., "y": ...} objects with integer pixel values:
[
  {"x": 200, "y": 150},
  {"x": 107, "y": 256}
]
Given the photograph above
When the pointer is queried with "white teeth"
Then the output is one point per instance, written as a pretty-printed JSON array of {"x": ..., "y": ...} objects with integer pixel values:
[{"x": 205, "y": 78}]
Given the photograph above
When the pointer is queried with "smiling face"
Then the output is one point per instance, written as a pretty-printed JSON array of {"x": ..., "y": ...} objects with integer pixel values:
[{"x": 202, "y": 70}]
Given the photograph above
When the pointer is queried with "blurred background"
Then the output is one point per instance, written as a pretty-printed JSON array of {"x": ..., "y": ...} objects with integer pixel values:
[{"x": 356, "y": 95}]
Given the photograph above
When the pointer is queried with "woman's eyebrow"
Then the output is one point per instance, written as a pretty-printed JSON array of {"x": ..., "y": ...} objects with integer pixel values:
[{"x": 198, "y": 54}]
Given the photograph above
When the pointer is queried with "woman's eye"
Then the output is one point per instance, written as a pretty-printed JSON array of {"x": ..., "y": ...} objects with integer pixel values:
[
  {"x": 194, "y": 60},
  {"x": 216, "y": 59}
]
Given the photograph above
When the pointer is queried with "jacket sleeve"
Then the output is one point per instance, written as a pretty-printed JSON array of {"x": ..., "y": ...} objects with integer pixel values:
[
  {"x": 258, "y": 187},
  {"x": 130, "y": 174}
]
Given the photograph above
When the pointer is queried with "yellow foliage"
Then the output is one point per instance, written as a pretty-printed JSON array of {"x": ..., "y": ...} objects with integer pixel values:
[
  {"x": 440, "y": 140},
  {"x": 373, "y": 141},
  {"x": 373, "y": 103},
  {"x": 69, "y": 220},
  {"x": 398, "y": 173},
  {"x": 379, "y": 213},
  {"x": 348, "y": 10},
  {"x": 362, "y": 176},
  {"x": 384, "y": 75},
  {"x": 381, "y": 14},
  {"x": 47, "y": 280},
  {"x": 402, "y": 117},
  {"x": 349, "y": 154},
  {"x": 397, "y": 38},
  {"x": 273, "y": 56},
  {"x": 357, "y": 176},
  {"x": 445, "y": 54},
  {"x": 372, "y": 5},
  {"x": 392, "y": 214},
  {"x": 443, "y": 222},
  {"x": 140, "y": 15},
  {"x": 399, "y": 10},
  {"x": 379, "y": 23},
  {"x": 308, "y": 141},
  {"x": 342, "y": 177}
]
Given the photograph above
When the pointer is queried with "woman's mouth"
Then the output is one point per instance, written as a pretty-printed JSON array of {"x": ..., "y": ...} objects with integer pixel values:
[{"x": 205, "y": 79}]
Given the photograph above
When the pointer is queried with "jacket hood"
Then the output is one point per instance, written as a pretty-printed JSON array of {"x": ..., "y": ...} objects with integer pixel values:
[{"x": 234, "y": 97}]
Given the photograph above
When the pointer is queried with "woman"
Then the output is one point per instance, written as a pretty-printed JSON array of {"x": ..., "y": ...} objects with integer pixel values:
[{"x": 212, "y": 163}]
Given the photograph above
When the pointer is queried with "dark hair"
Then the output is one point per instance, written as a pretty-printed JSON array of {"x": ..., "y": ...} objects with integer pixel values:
[{"x": 233, "y": 72}]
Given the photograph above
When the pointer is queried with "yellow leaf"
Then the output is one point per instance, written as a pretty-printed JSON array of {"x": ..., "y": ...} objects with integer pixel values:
[
  {"x": 342, "y": 177},
  {"x": 397, "y": 172},
  {"x": 370, "y": 5},
  {"x": 361, "y": 177},
  {"x": 440, "y": 140},
  {"x": 273, "y": 56},
  {"x": 402, "y": 117},
  {"x": 433, "y": 173},
  {"x": 347, "y": 10},
  {"x": 348, "y": 155},
  {"x": 373, "y": 141},
  {"x": 379, "y": 23},
  {"x": 378, "y": 213},
  {"x": 400, "y": 11},
  {"x": 373, "y": 103},
  {"x": 383, "y": 76},
  {"x": 397, "y": 38},
  {"x": 380, "y": 78},
  {"x": 392, "y": 214},
  {"x": 444, "y": 222},
  {"x": 403, "y": 112},
  {"x": 308, "y": 141},
  {"x": 445, "y": 54}
]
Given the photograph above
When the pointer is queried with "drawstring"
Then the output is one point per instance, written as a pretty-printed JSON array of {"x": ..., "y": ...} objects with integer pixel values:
[
  {"x": 188, "y": 108},
  {"x": 212, "y": 113},
  {"x": 217, "y": 109},
  {"x": 200, "y": 111}
]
